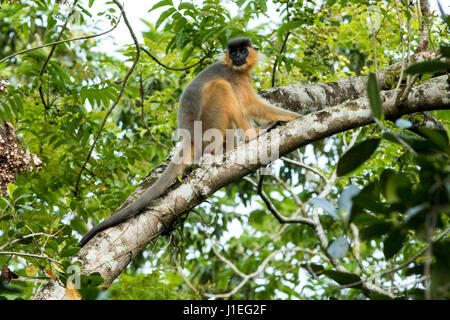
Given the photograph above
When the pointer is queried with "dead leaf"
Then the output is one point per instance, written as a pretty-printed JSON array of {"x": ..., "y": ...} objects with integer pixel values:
[
  {"x": 7, "y": 275},
  {"x": 51, "y": 274},
  {"x": 72, "y": 291}
]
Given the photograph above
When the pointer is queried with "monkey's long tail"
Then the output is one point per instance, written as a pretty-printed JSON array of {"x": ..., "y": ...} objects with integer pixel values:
[{"x": 164, "y": 181}]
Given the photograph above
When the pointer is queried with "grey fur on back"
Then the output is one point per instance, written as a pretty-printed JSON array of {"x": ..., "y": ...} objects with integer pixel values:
[{"x": 190, "y": 111}]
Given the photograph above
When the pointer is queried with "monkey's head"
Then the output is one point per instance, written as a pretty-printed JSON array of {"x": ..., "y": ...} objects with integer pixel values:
[{"x": 241, "y": 54}]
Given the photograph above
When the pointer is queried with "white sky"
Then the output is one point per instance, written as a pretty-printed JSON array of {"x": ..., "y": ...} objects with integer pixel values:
[{"x": 138, "y": 9}]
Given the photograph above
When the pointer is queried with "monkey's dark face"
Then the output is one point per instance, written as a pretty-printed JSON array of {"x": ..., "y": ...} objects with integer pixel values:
[
  {"x": 241, "y": 54},
  {"x": 238, "y": 55}
]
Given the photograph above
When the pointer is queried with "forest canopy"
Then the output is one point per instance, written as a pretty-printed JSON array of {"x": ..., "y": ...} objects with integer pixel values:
[{"x": 356, "y": 207}]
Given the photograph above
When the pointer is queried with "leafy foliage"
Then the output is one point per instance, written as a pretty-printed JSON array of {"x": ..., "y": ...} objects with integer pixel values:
[{"x": 381, "y": 193}]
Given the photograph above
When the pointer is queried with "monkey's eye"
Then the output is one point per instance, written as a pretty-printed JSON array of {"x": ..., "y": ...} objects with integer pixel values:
[{"x": 233, "y": 53}]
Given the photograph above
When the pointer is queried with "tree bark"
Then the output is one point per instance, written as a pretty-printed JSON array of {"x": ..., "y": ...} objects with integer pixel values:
[{"x": 110, "y": 251}]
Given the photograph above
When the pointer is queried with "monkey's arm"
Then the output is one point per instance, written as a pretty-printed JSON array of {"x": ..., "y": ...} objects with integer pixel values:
[{"x": 261, "y": 110}]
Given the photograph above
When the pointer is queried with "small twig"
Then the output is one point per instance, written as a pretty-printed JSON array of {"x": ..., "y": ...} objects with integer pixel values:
[
  {"x": 399, "y": 267},
  {"x": 305, "y": 166},
  {"x": 25, "y": 237},
  {"x": 228, "y": 262},
  {"x": 188, "y": 283},
  {"x": 275, "y": 64},
  {"x": 247, "y": 277},
  {"x": 122, "y": 89},
  {"x": 303, "y": 39},
  {"x": 171, "y": 68},
  {"x": 28, "y": 255},
  {"x": 274, "y": 211}
]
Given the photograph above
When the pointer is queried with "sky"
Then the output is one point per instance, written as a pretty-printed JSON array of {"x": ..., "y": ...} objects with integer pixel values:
[{"x": 138, "y": 9}]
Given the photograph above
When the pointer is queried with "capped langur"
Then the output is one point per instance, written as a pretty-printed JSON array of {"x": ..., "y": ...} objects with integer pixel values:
[{"x": 221, "y": 97}]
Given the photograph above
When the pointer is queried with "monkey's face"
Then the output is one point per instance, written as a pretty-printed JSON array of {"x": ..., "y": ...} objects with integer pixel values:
[
  {"x": 241, "y": 55},
  {"x": 238, "y": 56}
]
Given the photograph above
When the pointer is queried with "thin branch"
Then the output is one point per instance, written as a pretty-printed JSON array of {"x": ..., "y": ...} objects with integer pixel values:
[
  {"x": 61, "y": 41},
  {"x": 188, "y": 283},
  {"x": 41, "y": 93},
  {"x": 305, "y": 166},
  {"x": 318, "y": 228},
  {"x": 399, "y": 267},
  {"x": 228, "y": 262},
  {"x": 303, "y": 39},
  {"x": 274, "y": 211},
  {"x": 25, "y": 237},
  {"x": 275, "y": 64},
  {"x": 122, "y": 89},
  {"x": 171, "y": 68},
  {"x": 247, "y": 277},
  {"x": 29, "y": 255}
]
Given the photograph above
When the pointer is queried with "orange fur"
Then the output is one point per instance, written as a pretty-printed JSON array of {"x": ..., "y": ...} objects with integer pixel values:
[{"x": 225, "y": 104}]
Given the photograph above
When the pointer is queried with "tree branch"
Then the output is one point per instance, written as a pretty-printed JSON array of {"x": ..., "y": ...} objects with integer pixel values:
[
  {"x": 62, "y": 41},
  {"x": 171, "y": 68},
  {"x": 110, "y": 251}
]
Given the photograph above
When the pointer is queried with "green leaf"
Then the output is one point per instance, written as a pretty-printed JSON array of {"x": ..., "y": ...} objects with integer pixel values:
[
  {"x": 373, "y": 91},
  {"x": 438, "y": 137},
  {"x": 162, "y": 3},
  {"x": 7, "y": 217},
  {"x": 432, "y": 66},
  {"x": 393, "y": 243},
  {"x": 11, "y": 187},
  {"x": 314, "y": 267},
  {"x": 338, "y": 248},
  {"x": 356, "y": 156},
  {"x": 6, "y": 288},
  {"x": 186, "y": 6},
  {"x": 166, "y": 14},
  {"x": 445, "y": 50},
  {"x": 68, "y": 252},
  {"x": 375, "y": 231},
  {"x": 394, "y": 185},
  {"x": 344, "y": 278}
]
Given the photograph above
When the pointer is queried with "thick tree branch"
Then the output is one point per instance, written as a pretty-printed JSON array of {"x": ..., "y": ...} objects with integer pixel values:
[
  {"x": 110, "y": 251},
  {"x": 307, "y": 98}
]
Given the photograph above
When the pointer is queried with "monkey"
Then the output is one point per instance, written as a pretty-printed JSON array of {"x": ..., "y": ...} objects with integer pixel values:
[{"x": 221, "y": 97}]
